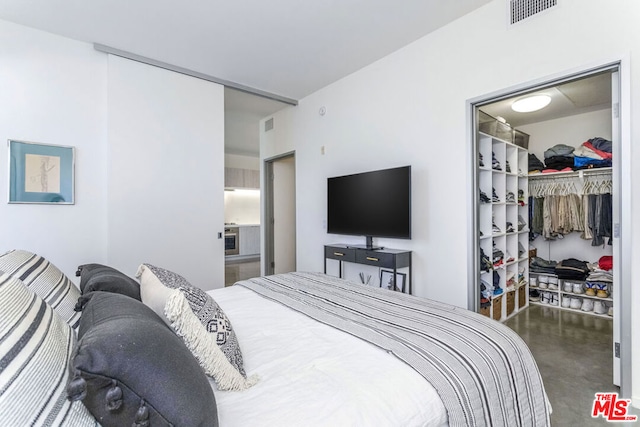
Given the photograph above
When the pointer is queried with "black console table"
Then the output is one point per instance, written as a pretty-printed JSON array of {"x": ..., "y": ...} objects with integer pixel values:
[{"x": 384, "y": 258}]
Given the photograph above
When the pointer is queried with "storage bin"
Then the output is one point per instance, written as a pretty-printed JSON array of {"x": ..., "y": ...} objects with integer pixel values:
[
  {"x": 511, "y": 302},
  {"x": 491, "y": 126},
  {"x": 522, "y": 297},
  {"x": 485, "y": 311},
  {"x": 533, "y": 253},
  {"x": 521, "y": 139},
  {"x": 496, "y": 303}
]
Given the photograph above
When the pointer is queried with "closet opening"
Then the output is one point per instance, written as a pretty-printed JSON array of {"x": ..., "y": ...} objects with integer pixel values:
[{"x": 548, "y": 209}]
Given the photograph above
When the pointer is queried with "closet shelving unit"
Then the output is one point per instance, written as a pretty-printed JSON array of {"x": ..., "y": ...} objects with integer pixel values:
[
  {"x": 500, "y": 213},
  {"x": 578, "y": 178}
]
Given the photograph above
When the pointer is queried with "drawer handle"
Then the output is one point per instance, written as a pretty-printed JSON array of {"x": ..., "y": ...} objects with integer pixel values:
[
  {"x": 338, "y": 254},
  {"x": 372, "y": 259}
]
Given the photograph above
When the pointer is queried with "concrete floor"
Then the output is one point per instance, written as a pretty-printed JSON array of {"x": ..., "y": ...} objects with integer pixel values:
[
  {"x": 240, "y": 270},
  {"x": 574, "y": 354}
]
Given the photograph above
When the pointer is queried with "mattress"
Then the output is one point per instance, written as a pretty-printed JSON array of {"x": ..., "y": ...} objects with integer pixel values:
[{"x": 312, "y": 374}]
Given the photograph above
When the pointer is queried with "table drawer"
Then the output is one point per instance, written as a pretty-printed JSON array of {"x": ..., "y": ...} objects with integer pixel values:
[
  {"x": 343, "y": 254},
  {"x": 379, "y": 259}
]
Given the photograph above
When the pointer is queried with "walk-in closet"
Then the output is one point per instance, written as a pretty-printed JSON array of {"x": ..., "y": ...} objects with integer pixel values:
[{"x": 544, "y": 209}]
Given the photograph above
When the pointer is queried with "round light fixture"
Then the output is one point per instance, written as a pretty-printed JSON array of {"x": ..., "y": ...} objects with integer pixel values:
[{"x": 531, "y": 103}]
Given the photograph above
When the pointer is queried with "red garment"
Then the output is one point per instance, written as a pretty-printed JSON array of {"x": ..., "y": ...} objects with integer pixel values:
[
  {"x": 601, "y": 153},
  {"x": 606, "y": 262}
]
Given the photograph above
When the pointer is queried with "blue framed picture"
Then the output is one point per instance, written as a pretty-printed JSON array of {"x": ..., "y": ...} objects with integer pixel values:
[{"x": 41, "y": 173}]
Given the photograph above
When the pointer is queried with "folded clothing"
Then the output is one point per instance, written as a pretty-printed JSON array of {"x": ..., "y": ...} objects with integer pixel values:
[
  {"x": 534, "y": 163},
  {"x": 559, "y": 162},
  {"x": 572, "y": 268},
  {"x": 559, "y": 150},
  {"x": 541, "y": 265}
]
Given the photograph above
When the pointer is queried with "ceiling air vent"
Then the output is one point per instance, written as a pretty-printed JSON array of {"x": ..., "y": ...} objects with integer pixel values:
[
  {"x": 268, "y": 125},
  {"x": 523, "y": 9}
]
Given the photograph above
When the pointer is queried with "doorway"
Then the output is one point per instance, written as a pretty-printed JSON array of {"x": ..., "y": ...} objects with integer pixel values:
[
  {"x": 621, "y": 349},
  {"x": 280, "y": 214}
]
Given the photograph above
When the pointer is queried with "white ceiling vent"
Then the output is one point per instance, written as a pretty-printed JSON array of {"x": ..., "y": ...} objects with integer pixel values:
[
  {"x": 268, "y": 125},
  {"x": 523, "y": 9}
]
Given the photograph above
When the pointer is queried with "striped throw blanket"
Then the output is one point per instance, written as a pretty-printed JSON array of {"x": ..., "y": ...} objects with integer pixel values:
[{"x": 482, "y": 370}]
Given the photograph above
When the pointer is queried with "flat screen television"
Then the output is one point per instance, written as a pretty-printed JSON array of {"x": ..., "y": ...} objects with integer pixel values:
[{"x": 370, "y": 204}]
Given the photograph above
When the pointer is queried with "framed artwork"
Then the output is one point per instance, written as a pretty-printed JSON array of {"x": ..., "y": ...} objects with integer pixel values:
[
  {"x": 41, "y": 173},
  {"x": 387, "y": 280}
]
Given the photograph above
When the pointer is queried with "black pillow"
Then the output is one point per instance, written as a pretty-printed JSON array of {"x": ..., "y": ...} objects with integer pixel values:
[
  {"x": 98, "y": 277},
  {"x": 129, "y": 368}
]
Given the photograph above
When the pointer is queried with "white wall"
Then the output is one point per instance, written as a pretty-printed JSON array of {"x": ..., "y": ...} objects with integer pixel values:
[
  {"x": 410, "y": 108},
  {"x": 241, "y": 161},
  {"x": 572, "y": 131},
  {"x": 242, "y": 206},
  {"x": 166, "y": 172},
  {"x": 53, "y": 91}
]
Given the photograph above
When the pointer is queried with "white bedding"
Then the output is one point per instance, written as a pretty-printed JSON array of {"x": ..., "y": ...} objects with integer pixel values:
[{"x": 314, "y": 375}]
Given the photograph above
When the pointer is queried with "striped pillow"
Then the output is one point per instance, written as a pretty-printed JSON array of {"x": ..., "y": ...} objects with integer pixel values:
[
  {"x": 46, "y": 280},
  {"x": 35, "y": 347}
]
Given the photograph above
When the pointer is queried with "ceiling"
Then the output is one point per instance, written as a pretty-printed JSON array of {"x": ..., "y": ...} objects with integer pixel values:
[
  {"x": 290, "y": 48},
  {"x": 567, "y": 99}
]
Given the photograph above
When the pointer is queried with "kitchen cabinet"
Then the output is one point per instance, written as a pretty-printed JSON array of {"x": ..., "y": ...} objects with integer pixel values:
[
  {"x": 249, "y": 240},
  {"x": 241, "y": 178}
]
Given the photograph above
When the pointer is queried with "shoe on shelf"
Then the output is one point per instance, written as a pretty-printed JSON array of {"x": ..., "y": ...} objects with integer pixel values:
[
  {"x": 481, "y": 160},
  {"x": 576, "y": 303},
  {"x": 566, "y": 302},
  {"x": 494, "y": 196},
  {"x": 534, "y": 295},
  {"x": 508, "y": 258},
  {"x": 610, "y": 311},
  {"x": 510, "y": 198},
  {"x": 554, "y": 299},
  {"x": 521, "y": 223},
  {"x": 495, "y": 228},
  {"x": 484, "y": 198},
  {"x": 510, "y": 228},
  {"x": 507, "y": 167},
  {"x": 521, "y": 196},
  {"x": 495, "y": 164},
  {"x": 599, "y": 307},
  {"x": 567, "y": 287},
  {"x": 587, "y": 305},
  {"x": 553, "y": 283},
  {"x": 590, "y": 291},
  {"x": 521, "y": 250},
  {"x": 533, "y": 282},
  {"x": 543, "y": 282},
  {"x": 577, "y": 288},
  {"x": 602, "y": 290}
]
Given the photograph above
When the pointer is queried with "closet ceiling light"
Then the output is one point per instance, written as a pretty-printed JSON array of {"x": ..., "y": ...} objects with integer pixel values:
[{"x": 531, "y": 103}]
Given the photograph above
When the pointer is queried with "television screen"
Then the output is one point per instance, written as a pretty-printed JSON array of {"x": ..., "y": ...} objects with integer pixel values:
[{"x": 372, "y": 204}]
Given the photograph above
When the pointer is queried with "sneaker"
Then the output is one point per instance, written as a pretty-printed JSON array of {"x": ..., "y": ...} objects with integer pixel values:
[
  {"x": 543, "y": 282},
  {"x": 521, "y": 223},
  {"x": 576, "y": 303},
  {"x": 510, "y": 228},
  {"x": 495, "y": 164},
  {"x": 577, "y": 288},
  {"x": 554, "y": 299},
  {"x": 494, "y": 196},
  {"x": 521, "y": 250},
  {"x": 510, "y": 197},
  {"x": 521, "y": 197},
  {"x": 610, "y": 311},
  {"x": 484, "y": 198},
  {"x": 599, "y": 307},
  {"x": 495, "y": 228},
  {"x": 481, "y": 162},
  {"x": 601, "y": 290},
  {"x": 509, "y": 258},
  {"x": 533, "y": 282},
  {"x": 587, "y": 305},
  {"x": 567, "y": 287},
  {"x": 566, "y": 302},
  {"x": 534, "y": 295},
  {"x": 545, "y": 298},
  {"x": 553, "y": 283},
  {"x": 590, "y": 291},
  {"x": 507, "y": 167}
]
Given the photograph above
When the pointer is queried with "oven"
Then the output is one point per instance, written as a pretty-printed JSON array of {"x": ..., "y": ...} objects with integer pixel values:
[{"x": 231, "y": 241}]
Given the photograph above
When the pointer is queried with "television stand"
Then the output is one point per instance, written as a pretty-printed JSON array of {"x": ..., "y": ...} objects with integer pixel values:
[
  {"x": 369, "y": 248},
  {"x": 392, "y": 259}
]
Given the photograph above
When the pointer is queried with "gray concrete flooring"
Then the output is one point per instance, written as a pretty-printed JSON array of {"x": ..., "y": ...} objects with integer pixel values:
[
  {"x": 240, "y": 270},
  {"x": 574, "y": 354}
]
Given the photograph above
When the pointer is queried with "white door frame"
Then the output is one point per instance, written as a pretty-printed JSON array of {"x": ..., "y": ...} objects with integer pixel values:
[{"x": 621, "y": 201}]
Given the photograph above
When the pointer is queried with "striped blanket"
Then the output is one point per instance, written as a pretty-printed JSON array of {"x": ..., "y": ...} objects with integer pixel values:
[{"x": 483, "y": 372}]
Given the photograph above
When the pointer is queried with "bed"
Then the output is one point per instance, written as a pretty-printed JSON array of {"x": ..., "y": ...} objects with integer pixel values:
[{"x": 306, "y": 349}]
